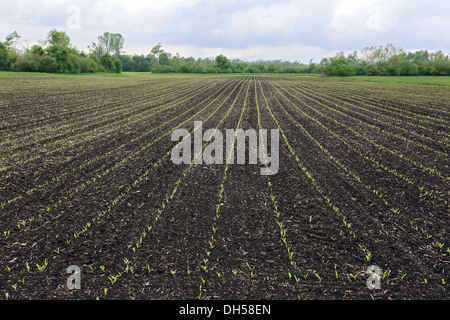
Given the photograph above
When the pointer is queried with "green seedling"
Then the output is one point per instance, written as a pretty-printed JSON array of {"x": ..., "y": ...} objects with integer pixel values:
[
  {"x": 402, "y": 277},
  {"x": 112, "y": 279},
  {"x": 42, "y": 268},
  {"x": 318, "y": 277},
  {"x": 354, "y": 276}
]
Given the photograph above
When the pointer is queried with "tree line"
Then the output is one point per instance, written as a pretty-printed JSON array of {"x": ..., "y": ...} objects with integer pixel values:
[
  {"x": 56, "y": 54},
  {"x": 387, "y": 61}
]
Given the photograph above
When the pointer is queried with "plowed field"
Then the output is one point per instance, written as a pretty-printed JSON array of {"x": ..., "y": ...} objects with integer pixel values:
[{"x": 87, "y": 180}]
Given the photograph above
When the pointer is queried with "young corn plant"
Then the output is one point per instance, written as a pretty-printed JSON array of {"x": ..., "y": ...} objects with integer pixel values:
[
  {"x": 354, "y": 276},
  {"x": 401, "y": 277},
  {"x": 127, "y": 266},
  {"x": 42, "y": 268},
  {"x": 319, "y": 277},
  {"x": 112, "y": 279}
]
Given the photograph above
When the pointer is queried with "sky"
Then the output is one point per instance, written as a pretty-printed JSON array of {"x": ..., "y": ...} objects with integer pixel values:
[{"x": 295, "y": 30}]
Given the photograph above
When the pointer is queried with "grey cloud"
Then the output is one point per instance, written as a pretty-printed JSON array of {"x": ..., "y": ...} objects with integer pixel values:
[{"x": 237, "y": 25}]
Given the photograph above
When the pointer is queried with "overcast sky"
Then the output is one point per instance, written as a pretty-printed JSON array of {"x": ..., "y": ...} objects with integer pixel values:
[{"x": 296, "y": 30}]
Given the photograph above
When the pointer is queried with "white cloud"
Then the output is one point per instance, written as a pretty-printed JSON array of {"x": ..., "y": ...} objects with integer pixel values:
[
  {"x": 291, "y": 29},
  {"x": 292, "y": 52}
]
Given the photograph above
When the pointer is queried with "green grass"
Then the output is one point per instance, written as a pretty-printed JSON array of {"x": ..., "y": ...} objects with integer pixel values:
[
  {"x": 43, "y": 74},
  {"x": 427, "y": 80}
]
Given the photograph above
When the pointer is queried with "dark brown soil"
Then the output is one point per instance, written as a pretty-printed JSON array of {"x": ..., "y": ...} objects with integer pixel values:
[{"x": 86, "y": 179}]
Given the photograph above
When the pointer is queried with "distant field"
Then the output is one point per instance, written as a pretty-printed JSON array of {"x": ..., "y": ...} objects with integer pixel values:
[
  {"x": 86, "y": 179},
  {"x": 428, "y": 80}
]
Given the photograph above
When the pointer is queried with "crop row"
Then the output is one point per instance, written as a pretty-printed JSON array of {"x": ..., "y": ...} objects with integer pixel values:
[
  {"x": 406, "y": 220},
  {"x": 57, "y": 178},
  {"x": 74, "y": 191},
  {"x": 417, "y": 163},
  {"x": 89, "y": 116},
  {"x": 136, "y": 245},
  {"x": 111, "y": 124},
  {"x": 371, "y": 109},
  {"x": 126, "y": 190}
]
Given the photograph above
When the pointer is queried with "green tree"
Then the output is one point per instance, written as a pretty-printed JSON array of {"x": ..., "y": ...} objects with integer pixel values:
[
  {"x": 157, "y": 51},
  {"x": 11, "y": 39},
  {"x": 117, "y": 65},
  {"x": 59, "y": 47},
  {"x": 422, "y": 60},
  {"x": 59, "y": 38},
  {"x": 340, "y": 66},
  {"x": 440, "y": 67},
  {"x": 394, "y": 64},
  {"x": 8, "y": 54},
  {"x": 47, "y": 64},
  {"x": 272, "y": 68},
  {"x": 408, "y": 68},
  {"x": 375, "y": 69},
  {"x": 110, "y": 43},
  {"x": 4, "y": 64},
  {"x": 223, "y": 64},
  {"x": 38, "y": 50},
  {"x": 165, "y": 58},
  {"x": 375, "y": 54},
  {"x": 141, "y": 64},
  {"x": 61, "y": 55},
  {"x": 127, "y": 63},
  {"x": 152, "y": 60},
  {"x": 24, "y": 63},
  {"x": 106, "y": 62}
]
